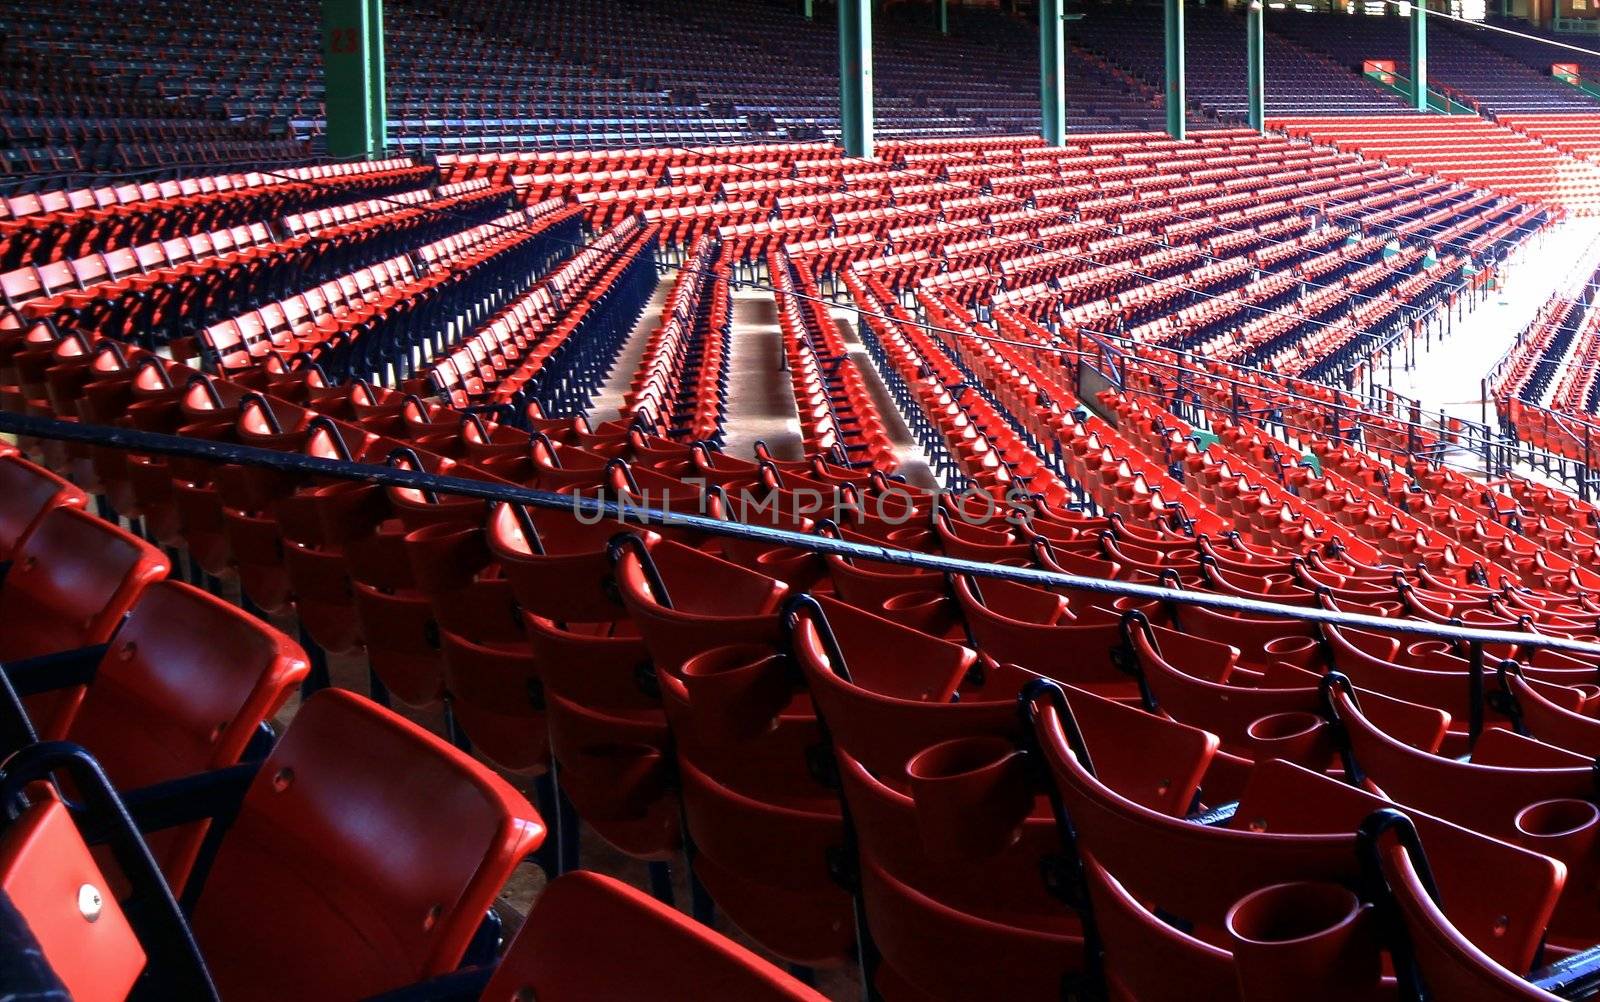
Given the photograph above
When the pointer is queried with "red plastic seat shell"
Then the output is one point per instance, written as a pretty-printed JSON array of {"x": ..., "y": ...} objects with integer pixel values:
[
  {"x": 44, "y": 868},
  {"x": 648, "y": 952},
  {"x": 364, "y": 857}
]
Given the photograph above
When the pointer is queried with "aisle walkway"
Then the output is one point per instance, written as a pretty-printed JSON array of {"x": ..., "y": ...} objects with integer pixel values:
[
  {"x": 607, "y": 398},
  {"x": 1449, "y": 376},
  {"x": 760, "y": 398}
]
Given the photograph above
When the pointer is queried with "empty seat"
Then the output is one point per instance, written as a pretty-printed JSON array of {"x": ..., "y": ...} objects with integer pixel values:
[
  {"x": 364, "y": 856},
  {"x": 69, "y": 585},
  {"x": 566, "y": 952},
  {"x": 27, "y": 492}
]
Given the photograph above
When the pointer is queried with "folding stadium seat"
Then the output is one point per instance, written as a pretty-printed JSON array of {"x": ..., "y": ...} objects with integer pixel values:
[
  {"x": 1041, "y": 631},
  {"x": 886, "y": 693},
  {"x": 980, "y": 533},
  {"x": 558, "y": 956},
  {"x": 943, "y": 906},
  {"x": 1200, "y": 683},
  {"x": 70, "y": 583},
  {"x": 417, "y": 509},
  {"x": 1441, "y": 960},
  {"x": 183, "y": 688},
  {"x": 394, "y": 616},
  {"x": 1534, "y": 711},
  {"x": 761, "y": 826},
  {"x": 1514, "y": 788},
  {"x": 251, "y": 499},
  {"x": 481, "y": 639},
  {"x": 81, "y": 944},
  {"x": 608, "y": 736},
  {"x": 210, "y": 409},
  {"x": 318, "y": 524},
  {"x": 266, "y": 897},
  {"x": 914, "y": 594},
  {"x": 1295, "y": 857},
  {"x": 27, "y": 493},
  {"x": 141, "y": 486}
]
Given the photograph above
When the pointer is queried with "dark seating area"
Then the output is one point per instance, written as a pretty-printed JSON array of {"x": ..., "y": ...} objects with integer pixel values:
[
  {"x": 170, "y": 87},
  {"x": 1300, "y": 80},
  {"x": 752, "y": 69},
  {"x": 1534, "y": 51},
  {"x": 1464, "y": 63},
  {"x": 65, "y": 107}
]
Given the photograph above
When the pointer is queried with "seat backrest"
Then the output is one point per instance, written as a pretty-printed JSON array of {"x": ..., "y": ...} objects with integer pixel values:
[
  {"x": 1448, "y": 962},
  {"x": 49, "y": 878},
  {"x": 90, "y": 270},
  {"x": 182, "y": 690},
  {"x": 21, "y": 285},
  {"x": 152, "y": 256},
  {"x": 904, "y": 689},
  {"x": 558, "y": 956},
  {"x": 316, "y": 300},
  {"x": 122, "y": 262},
  {"x": 367, "y": 850},
  {"x": 27, "y": 493},
  {"x": 56, "y": 277},
  {"x": 70, "y": 583},
  {"x": 709, "y": 603}
]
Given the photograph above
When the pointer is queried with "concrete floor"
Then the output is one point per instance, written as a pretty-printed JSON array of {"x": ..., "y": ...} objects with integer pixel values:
[
  {"x": 1448, "y": 374},
  {"x": 607, "y": 401},
  {"x": 761, "y": 406},
  {"x": 913, "y": 459}
]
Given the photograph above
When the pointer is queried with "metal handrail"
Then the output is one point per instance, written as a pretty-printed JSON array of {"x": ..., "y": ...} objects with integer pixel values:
[
  {"x": 1477, "y": 438},
  {"x": 1371, "y": 401},
  {"x": 590, "y": 507}
]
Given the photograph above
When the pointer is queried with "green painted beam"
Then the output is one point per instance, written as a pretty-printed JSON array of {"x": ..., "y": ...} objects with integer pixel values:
[
  {"x": 1581, "y": 84},
  {"x": 1419, "y": 56},
  {"x": 377, "y": 79},
  {"x": 353, "y": 77},
  {"x": 1255, "y": 73},
  {"x": 944, "y": 17},
  {"x": 855, "y": 76},
  {"x": 1177, "y": 93},
  {"x": 1053, "y": 71}
]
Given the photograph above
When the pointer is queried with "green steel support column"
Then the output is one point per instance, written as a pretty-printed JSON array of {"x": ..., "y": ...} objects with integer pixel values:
[
  {"x": 1053, "y": 70},
  {"x": 1255, "y": 73},
  {"x": 1419, "y": 56},
  {"x": 809, "y": 11},
  {"x": 1177, "y": 97},
  {"x": 378, "y": 97},
  {"x": 353, "y": 75},
  {"x": 855, "y": 76},
  {"x": 944, "y": 17}
]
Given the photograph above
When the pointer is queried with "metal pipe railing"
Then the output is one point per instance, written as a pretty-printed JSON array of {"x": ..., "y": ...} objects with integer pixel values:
[
  {"x": 595, "y": 508},
  {"x": 1114, "y": 357}
]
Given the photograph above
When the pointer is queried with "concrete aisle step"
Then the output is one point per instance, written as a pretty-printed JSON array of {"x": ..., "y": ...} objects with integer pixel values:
[
  {"x": 760, "y": 397},
  {"x": 761, "y": 405},
  {"x": 608, "y": 398},
  {"x": 914, "y": 462}
]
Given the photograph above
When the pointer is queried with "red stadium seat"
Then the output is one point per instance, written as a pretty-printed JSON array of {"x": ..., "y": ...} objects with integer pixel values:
[
  {"x": 418, "y": 863},
  {"x": 558, "y": 957}
]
